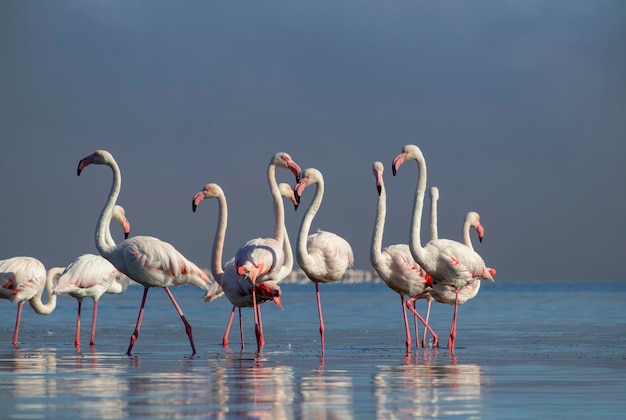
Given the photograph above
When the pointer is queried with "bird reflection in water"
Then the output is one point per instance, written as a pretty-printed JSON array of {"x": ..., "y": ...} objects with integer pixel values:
[
  {"x": 327, "y": 394},
  {"x": 430, "y": 388}
]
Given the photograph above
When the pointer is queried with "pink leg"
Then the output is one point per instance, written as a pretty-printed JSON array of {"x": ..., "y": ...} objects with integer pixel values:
[
  {"x": 77, "y": 336},
  {"x": 243, "y": 345},
  {"x": 135, "y": 334},
  {"x": 452, "y": 338},
  {"x": 417, "y": 334},
  {"x": 18, "y": 317},
  {"x": 319, "y": 310},
  {"x": 182, "y": 316},
  {"x": 257, "y": 330},
  {"x": 92, "y": 340},
  {"x": 406, "y": 323},
  {"x": 261, "y": 335},
  {"x": 427, "y": 319},
  {"x": 410, "y": 306},
  {"x": 227, "y": 332}
]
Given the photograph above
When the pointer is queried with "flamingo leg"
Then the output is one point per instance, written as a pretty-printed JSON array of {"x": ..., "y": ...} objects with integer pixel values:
[
  {"x": 227, "y": 332},
  {"x": 319, "y": 310},
  {"x": 243, "y": 345},
  {"x": 261, "y": 342},
  {"x": 77, "y": 336},
  {"x": 92, "y": 340},
  {"x": 452, "y": 338},
  {"x": 182, "y": 316},
  {"x": 406, "y": 324},
  {"x": 409, "y": 304},
  {"x": 18, "y": 318},
  {"x": 415, "y": 327},
  {"x": 256, "y": 320},
  {"x": 135, "y": 334},
  {"x": 427, "y": 318}
]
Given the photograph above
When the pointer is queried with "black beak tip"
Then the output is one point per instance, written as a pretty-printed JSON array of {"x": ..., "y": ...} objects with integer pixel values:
[
  {"x": 78, "y": 171},
  {"x": 393, "y": 170},
  {"x": 295, "y": 206},
  {"x": 379, "y": 189},
  {"x": 126, "y": 235},
  {"x": 480, "y": 239},
  {"x": 193, "y": 207}
]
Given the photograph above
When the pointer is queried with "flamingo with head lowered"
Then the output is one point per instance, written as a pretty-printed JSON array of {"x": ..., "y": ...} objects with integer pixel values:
[
  {"x": 323, "y": 256},
  {"x": 448, "y": 262},
  {"x": 261, "y": 259},
  {"x": 237, "y": 289},
  {"x": 23, "y": 279},
  {"x": 91, "y": 276},
  {"x": 145, "y": 259}
]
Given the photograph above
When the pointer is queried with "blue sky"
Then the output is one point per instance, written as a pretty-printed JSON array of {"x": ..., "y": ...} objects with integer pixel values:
[{"x": 518, "y": 106}]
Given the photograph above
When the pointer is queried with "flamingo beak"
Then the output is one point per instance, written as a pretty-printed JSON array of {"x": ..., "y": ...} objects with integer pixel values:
[
  {"x": 277, "y": 301},
  {"x": 397, "y": 162}
]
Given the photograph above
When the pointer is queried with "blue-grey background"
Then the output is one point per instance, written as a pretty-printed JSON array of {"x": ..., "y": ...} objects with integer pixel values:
[{"x": 518, "y": 106}]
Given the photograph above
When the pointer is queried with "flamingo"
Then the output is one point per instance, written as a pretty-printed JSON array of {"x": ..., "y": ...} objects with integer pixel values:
[
  {"x": 323, "y": 256},
  {"x": 23, "y": 279},
  {"x": 145, "y": 259},
  {"x": 445, "y": 293},
  {"x": 261, "y": 259},
  {"x": 395, "y": 264},
  {"x": 448, "y": 262},
  {"x": 238, "y": 290},
  {"x": 91, "y": 276}
]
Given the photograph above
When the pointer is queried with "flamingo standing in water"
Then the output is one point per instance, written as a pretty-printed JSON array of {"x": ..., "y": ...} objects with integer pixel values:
[
  {"x": 145, "y": 259},
  {"x": 323, "y": 256},
  {"x": 445, "y": 293},
  {"x": 237, "y": 289},
  {"x": 92, "y": 276},
  {"x": 23, "y": 279},
  {"x": 448, "y": 262},
  {"x": 395, "y": 264},
  {"x": 261, "y": 259}
]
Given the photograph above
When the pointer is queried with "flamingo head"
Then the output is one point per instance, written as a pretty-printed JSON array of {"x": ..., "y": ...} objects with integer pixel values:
[
  {"x": 209, "y": 191},
  {"x": 287, "y": 192},
  {"x": 283, "y": 160},
  {"x": 409, "y": 152},
  {"x": 99, "y": 157},
  {"x": 309, "y": 176},
  {"x": 119, "y": 215},
  {"x": 378, "y": 169},
  {"x": 473, "y": 219},
  {"x": 434, "y": 193},
  {"x": 270, "y": 291}
]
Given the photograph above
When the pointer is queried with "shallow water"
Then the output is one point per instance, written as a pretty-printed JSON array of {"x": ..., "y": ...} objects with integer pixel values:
[{"x": 524, "y": 350}]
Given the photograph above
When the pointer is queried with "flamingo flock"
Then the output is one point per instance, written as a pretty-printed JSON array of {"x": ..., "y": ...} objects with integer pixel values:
[{"x": 442, "y": 270}]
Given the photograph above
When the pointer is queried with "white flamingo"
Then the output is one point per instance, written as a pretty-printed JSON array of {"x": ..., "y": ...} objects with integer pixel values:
[
  {"x": 445, "y": 293},
  {"x": 323, "y": 256},
  {"x": 395, "y": 264},
  {"x": 23, "y": 279},
  {"x": 238, "y": 290},
  {"x": 261, "y": 259},
  {"x": 448, "y": 262},
  {"x": 91, "y": 276},
  {"x": 145, "y": 259}
]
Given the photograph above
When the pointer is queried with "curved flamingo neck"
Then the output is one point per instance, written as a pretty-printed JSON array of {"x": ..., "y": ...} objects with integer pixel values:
[
  {"x": 279, "y": 208},
  {"x": 218, "y": 242},
  {"x": 36, "y": 302},
  {"x": 379, "y": 227},
  {"x": 305, "y": 225},
  {"x": 434, "y": 234},
  {"x": 467, "y": 240},
  {"x": 418, "y": 206},
  {"x": 107, "y": 212}
]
